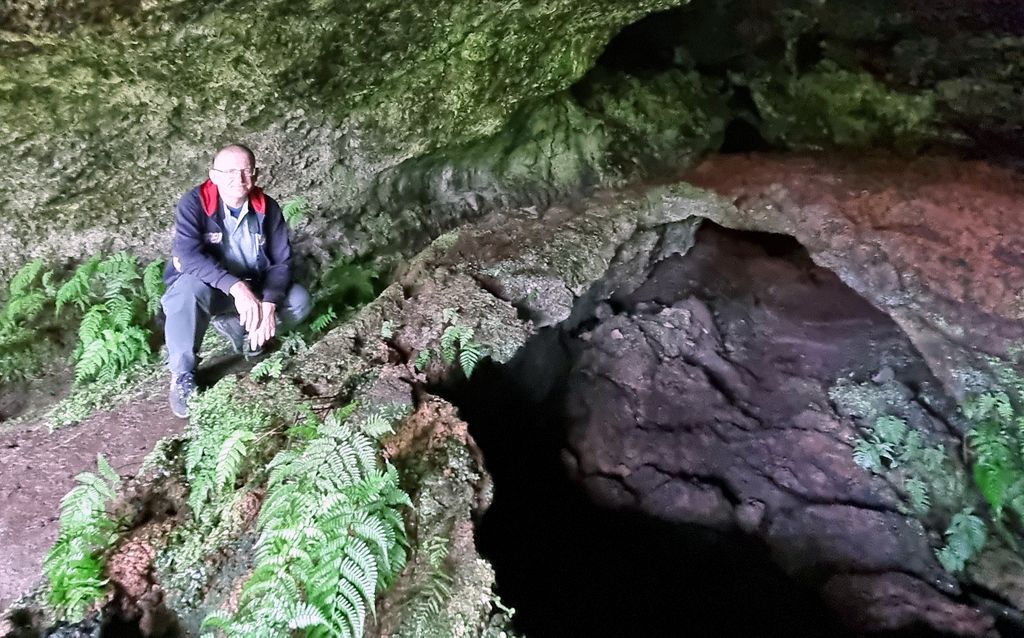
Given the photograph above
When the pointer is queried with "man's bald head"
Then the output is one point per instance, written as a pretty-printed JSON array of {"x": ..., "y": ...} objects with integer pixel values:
[
  {"x": 234, "y": 172},
  {"x": 235, "y": 149}
]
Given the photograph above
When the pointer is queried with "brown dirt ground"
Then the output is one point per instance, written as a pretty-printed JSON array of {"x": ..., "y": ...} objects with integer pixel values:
[{"x": 37, "y": 468}]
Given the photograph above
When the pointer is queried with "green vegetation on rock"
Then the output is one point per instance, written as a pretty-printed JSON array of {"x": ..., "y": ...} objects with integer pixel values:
[
  {"x": 108, "y": 125},
  {"x": 933, "y": 483},
  {"x": 109, "y": 301},
  {"x": 997, "y": 439},
  {"x": 657, "y": 123},
  {"x": 456, "y": 344},
  {"x": 829, "y": 107},
  {"x": 23, "y": 318},
  {"x": 331, "y": 537},
  {"x": 75, "y": 565}
]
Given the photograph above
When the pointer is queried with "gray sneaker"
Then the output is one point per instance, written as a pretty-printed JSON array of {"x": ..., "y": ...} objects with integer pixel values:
[
  {"x": 230, "y": 329},
  {"x": 183, "y": 386}
]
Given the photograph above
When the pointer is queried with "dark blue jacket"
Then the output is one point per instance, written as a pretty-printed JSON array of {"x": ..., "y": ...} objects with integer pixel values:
[{"x": 198, "y": 246}]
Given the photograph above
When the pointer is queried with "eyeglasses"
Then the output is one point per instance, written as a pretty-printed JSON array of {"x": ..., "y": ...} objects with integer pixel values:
[{"x": 238, "y": 173}]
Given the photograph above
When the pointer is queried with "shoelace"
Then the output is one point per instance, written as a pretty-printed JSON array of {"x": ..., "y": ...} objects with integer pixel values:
[{"x": 184, "y": 385}]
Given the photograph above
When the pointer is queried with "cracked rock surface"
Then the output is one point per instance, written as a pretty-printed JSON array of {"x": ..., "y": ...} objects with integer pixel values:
[{"x": 704, "y": 399}]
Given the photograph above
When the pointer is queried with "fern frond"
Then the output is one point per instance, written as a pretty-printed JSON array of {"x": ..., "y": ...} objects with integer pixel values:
[
  {"x": 324, "y": 320},
  {"x": 890, "y": 429},
  {"x": 346, "y": 283},
  {"x": 377, "y": 425},
  {"x": 294, "y": 210},
  {"x": 436, "y": 549},
  {"x": 74, "y": 566},
  {"x": 917, "y": 490},
  {"x": 1003, "y": 407},
  {"x": 867, "y": 455},
  {"x": 293, "y": 344},
  {"x": 231, "y": 456},
  {"x": 24, "y": 307},
  {"x": 965, "y": 537},
  {"x": 994, "y": 480},
  {"x": 48, "y": 285},
  {"x": 77, "y": 289},
  {"x": 93, "y": 323},
  {"x": 423, "y": 359},
  {"x": 304, "y": 616},
  {"x": 354, "y": 587},
  {"x": 24, "y": 279},
  {"x": 469, "y": 356},
  {"x": 451, "y": 338},
  {"x": 93, "y": 359},
  {"x": 153, "y": 285},
  {"x": 270, "y": 368},
  {"x": 217, "y": 619},
  {"x": 120, "y": 312}
]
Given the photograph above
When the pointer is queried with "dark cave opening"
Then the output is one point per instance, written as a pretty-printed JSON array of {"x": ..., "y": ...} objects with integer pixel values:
[
  {"x": 572, "y": 567},
  {"x": 580, "y": 551}
]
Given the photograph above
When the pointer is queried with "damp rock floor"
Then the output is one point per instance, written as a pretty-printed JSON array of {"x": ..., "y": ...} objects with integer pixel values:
[{"x": 38, "y": 467}]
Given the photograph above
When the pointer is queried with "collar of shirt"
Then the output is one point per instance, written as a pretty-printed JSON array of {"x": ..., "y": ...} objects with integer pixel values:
[{"x": 229, "y": 215}]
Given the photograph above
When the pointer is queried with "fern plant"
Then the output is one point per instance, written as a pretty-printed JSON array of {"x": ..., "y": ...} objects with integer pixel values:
[
  {"x": 423, "y": 359},
  {"x": 221, "y": 438},
  {"x": 344, "y": 286},
  {"x": 965, "y": 537},
  {"x": 153, "y": 286},
  {"x": 273, "y": 366},
  {"x": 78, "y": 289},
  {"x": 925, "y": 475},
  {"x": 117, "y": 301},
  {"x": 74, "y": 566},
  {"x": 294, "y": 210},
  {"x": 457, "y": 344},
  {"x": 270, "y": 368},
  {"x": 458, "y": 340},
  {"x": 997, "y": 439},
  {"x": 323, "y": 320},
  {"x": 927, "y": 471},
  {"x": 427, "y": 601},
  {"x": 330, "y": 537},
  {"x": 29, "y": 294},
  {"x": 226, "y": 445}
]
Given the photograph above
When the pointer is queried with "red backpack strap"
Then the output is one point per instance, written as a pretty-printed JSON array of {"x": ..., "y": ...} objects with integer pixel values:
[
  {"x": 209, "y": 195},
  {"x": 258, "y": 200}
]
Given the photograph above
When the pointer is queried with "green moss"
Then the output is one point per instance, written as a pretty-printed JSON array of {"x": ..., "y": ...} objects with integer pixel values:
[
  {"x": 830, "y": 106},
  {"x": 656, "y": 123},
  {"x": 110, "y": 123}
]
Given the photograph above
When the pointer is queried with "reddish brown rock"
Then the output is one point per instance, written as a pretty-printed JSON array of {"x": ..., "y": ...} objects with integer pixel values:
[{"x": 933, "y": 242}]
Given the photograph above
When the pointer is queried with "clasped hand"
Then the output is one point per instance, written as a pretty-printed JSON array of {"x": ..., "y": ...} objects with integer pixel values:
[{"x": 257, "y": 317}]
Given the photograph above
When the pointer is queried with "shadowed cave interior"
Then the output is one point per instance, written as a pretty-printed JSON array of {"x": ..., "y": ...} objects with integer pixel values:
[{"x": 578, "y": 553}]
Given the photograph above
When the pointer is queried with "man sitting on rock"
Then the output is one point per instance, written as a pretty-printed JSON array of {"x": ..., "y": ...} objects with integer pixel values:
[{"x": 230, "y": 261}]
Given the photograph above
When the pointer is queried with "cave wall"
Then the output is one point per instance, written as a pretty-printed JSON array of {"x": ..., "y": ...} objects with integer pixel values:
[
  {"x": 108, "y": 123},
  {"x": 398, "y": 121}
]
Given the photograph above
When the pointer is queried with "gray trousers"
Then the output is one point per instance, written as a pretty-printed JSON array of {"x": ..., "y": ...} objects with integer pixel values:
[{"x": 189, "y": 304}]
